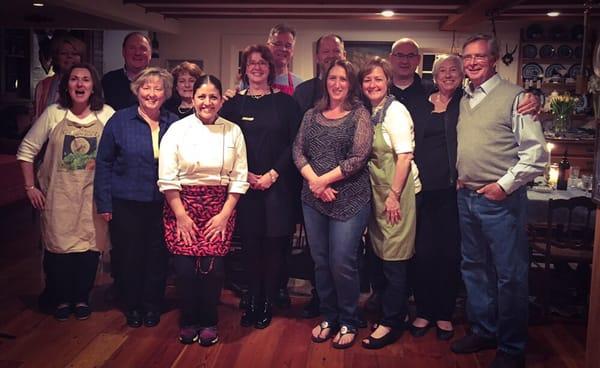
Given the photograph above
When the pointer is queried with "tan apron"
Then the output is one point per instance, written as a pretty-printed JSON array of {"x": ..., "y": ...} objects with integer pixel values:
[
  {"x": 69, "y": 221},
  {"x": 390, "y": 242}
]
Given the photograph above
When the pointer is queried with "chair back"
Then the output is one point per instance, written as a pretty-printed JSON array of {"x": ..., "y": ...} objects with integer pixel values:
[{"x": 570, "y": 223}]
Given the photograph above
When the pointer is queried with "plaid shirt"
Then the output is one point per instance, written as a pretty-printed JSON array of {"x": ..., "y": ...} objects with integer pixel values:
[{"x": 125, "y": 163}]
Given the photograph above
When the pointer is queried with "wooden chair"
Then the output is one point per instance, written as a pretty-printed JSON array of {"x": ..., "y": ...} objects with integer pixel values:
[{"x": 568, "y": 237}]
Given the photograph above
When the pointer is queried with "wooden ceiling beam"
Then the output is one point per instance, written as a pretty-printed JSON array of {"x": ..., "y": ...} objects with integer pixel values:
[
  {"x": 365, "y": 11},
  {"x": 307, "y": 2},
  {"x": 294, "y": 16},
  {"x": 475, "y": 12}
]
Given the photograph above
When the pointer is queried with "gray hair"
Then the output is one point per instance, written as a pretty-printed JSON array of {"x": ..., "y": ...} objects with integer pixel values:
[
  {"x": 447, "y": 57},
  {"x": 282, "y": 28},
  {"x": 153, "y": 72},
  {"x": 492, "y": 43},
  {"x": 406, "y": 40}
]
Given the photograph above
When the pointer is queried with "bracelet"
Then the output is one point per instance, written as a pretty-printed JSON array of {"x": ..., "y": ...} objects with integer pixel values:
[{"x": 29, "y": 187}]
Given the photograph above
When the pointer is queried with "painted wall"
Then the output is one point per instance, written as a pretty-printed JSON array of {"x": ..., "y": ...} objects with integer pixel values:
[{"x": 217, "y": 42}]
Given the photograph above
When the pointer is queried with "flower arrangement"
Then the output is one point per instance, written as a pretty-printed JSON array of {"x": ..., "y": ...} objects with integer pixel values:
[
  {"x": 558, "y": 104},
  {"x": 561, "y": 107}
]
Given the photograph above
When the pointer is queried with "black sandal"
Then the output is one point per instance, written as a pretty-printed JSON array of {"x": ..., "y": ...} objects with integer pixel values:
[
  {"x": 324, "y": 325},
  {"x": 380, "y": 342},
  {"x": 346, "y": 330}
]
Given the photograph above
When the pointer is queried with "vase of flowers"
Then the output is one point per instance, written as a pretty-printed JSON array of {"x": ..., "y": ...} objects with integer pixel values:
[{"x": 561, "y": 106}]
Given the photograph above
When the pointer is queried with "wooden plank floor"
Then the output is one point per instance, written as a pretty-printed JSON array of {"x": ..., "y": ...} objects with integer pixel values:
[{"x": 104, "y": 340}]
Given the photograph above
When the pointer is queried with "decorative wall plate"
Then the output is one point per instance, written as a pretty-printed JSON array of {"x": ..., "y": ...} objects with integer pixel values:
[
  {"x": 547, "y": 51},
  {"x": 529, "y": 51},
  {"x": 531, "y": 71},
  {"x": 564, "y": 51},
  {"x": 555, "y": 69}
]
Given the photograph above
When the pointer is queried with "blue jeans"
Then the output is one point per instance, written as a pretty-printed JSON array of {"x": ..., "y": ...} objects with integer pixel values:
[
  {"x": 495, "y": 265},
  {"x": 334, "y": 247}
]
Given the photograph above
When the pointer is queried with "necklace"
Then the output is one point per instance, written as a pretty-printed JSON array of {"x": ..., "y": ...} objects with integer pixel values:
[{"x": 184, "y": 110}]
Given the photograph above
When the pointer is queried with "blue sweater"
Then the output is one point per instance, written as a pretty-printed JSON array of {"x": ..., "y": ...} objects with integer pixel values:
[{"x": 125, "y": 163}]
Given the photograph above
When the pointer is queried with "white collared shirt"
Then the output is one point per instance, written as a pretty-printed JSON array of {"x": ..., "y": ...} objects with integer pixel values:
[{"x": 192, "y": 153}]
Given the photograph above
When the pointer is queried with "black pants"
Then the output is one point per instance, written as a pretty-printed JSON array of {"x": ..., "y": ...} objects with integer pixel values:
[
  {"x": 262, "y": 262},
  {"x": 437, "y": 258},
  {"x": 199, "y": 287},
  {"x": 393, "y": 286},
  {"x": 137, "y": 237},
  {"x": 70, "y": 276}
]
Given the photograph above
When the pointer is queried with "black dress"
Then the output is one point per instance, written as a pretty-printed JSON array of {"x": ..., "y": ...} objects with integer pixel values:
[{"x": 269, "y": 124}]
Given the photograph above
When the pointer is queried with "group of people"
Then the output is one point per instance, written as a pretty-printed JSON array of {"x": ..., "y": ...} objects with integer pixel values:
[{"x": 425, "y": 167}]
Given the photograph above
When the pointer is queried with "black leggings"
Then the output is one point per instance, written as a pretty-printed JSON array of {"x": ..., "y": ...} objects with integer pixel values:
[
  {"x": 437, "y": 258},
  {"x": 262, "y": 262},
  {"x": 70, "y": 276},
  {"x": 199, "y": 289}
]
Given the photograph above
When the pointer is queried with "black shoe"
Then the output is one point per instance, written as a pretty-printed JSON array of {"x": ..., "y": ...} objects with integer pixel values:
[
  {"x": 506, "y": 360},
  {"x": 383, "y": 341},
  {"x": 82, "y": 312},
  {"x": 472, "y": 344},
  {"x": 282, "y": 300},
  {"x": 62, "y": 312},
  {"x": 263, "y": 316},
  {"x": 244, "y": 300},
  {"x": 134, "y": 318},
  {"x": 249, "y": 315},
  {"x": 419, "y": 331},
  {"x": 312, "y": 308},
  {"x": 444, "y": 335},
  {"x": 151, "y": 319}
]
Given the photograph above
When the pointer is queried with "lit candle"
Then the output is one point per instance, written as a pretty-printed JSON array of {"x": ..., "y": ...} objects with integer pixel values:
[
  {"x": 549, "y": 147},
  {"x": 553, "y": 176}
]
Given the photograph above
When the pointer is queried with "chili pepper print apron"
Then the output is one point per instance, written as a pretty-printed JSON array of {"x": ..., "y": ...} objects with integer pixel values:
[
  {"x": 391, "y": 242},
  {"x": 69, "y": 220},
  {"x": 289, "y": 89}
]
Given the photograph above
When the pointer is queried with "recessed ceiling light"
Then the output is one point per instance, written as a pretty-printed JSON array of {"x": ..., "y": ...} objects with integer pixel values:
[
  {"x": 387, "y": 13},
  {"x": 553, "y": 14},
  {"x": 39, "y": 5}
]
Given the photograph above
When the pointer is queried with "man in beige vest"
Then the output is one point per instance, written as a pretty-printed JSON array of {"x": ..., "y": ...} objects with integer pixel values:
[{"x": 499, "y": 151}]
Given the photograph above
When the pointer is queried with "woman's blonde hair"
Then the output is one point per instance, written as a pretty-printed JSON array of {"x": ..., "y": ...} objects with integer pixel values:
[{"x": 153, "y": 72}]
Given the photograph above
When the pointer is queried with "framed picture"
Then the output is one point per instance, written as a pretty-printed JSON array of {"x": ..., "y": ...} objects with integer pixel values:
[
  {"x": 358, "y": 52},
  {"x": 596, "y": 181},
  {"x": 173, "y": 63}
]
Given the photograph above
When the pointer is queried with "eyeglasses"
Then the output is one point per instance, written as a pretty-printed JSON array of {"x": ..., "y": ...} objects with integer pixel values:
[
  {"x": 260, "y": 64},
  {"x": 475, "y": 58},
  {"x": 400, "y": 55},
  {"x": 281, "y": 45}
]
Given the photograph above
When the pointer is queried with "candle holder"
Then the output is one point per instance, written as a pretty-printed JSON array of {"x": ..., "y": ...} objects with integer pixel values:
[{"x": 553, "y": 175}]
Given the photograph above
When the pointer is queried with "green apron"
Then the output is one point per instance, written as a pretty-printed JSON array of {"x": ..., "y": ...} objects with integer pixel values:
[{"x": 390, "y": 242}]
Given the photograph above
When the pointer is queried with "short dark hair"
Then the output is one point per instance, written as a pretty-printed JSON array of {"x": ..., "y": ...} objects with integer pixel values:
[
  {"x": 96, "y": 100},
  {"x": 328, "y": 35},
  {"x": 265, "y": 53},
  {"x": 492, "y": 43},
  {"x": 131, "y": 34},
  {"x": 208, "y": 79},
  {"x": 352, "y": 100},
  {"x": 282, "y": 28}
]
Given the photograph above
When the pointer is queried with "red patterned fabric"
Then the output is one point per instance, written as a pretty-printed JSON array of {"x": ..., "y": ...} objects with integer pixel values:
[{"x": 201, "y": 203}]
